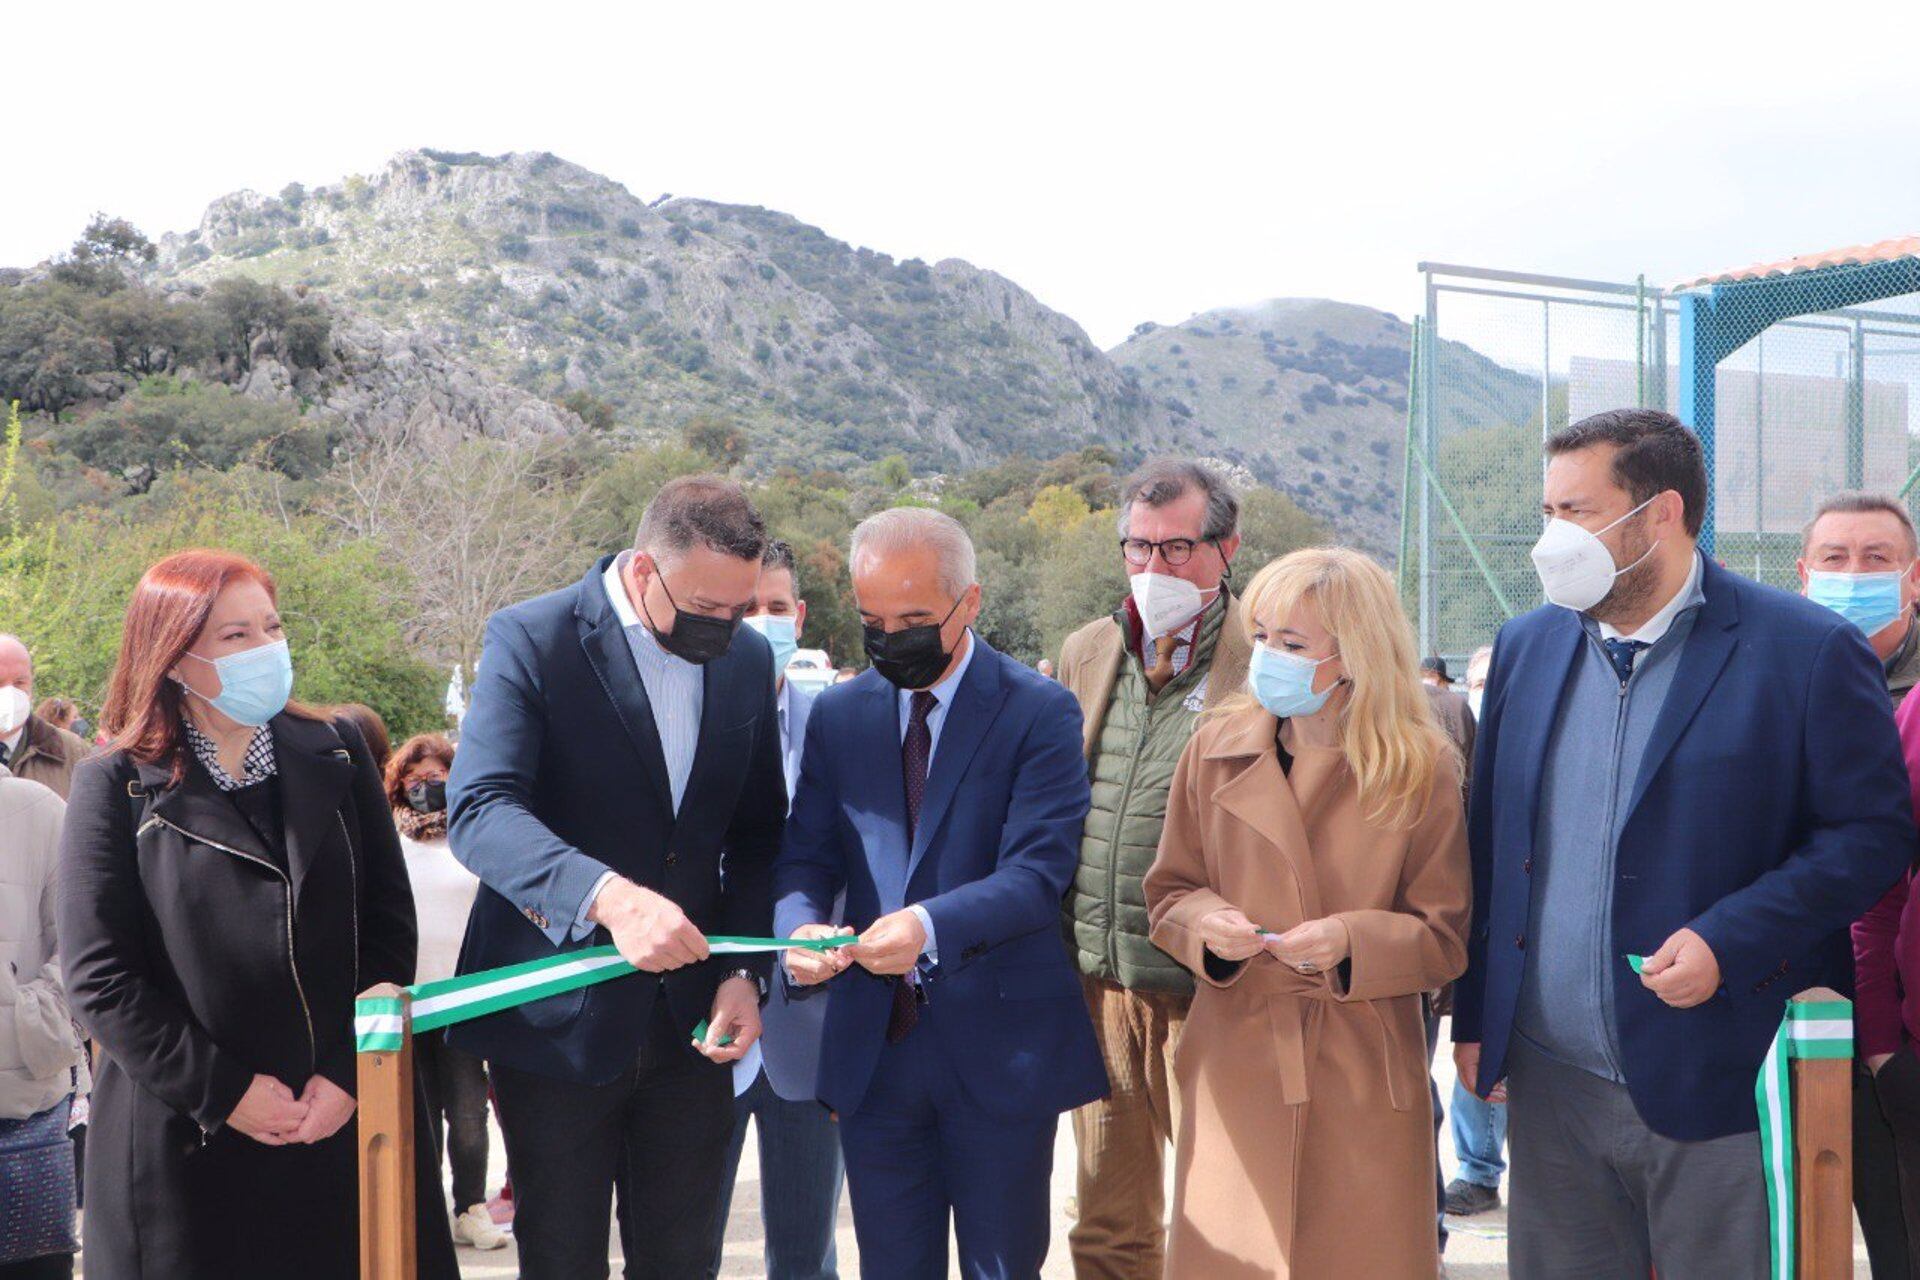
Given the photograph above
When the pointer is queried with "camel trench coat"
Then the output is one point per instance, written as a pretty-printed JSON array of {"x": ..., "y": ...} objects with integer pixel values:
[{"x": 1306, "y": 1145}]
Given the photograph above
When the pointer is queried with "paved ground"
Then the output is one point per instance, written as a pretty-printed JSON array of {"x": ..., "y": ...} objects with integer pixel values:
[{"x": 1477, "y": 1251}]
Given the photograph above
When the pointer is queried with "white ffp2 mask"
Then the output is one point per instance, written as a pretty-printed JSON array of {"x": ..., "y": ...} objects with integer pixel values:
[
  {"x": 1165, "y": 601},
  {"x": 1575, "y": 567}
]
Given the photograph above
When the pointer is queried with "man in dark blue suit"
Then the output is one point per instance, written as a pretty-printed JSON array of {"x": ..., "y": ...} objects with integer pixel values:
[
  {"x": 619, "y": 779},
  {"x": 943, "y": 792},
  {"x": 1677, "y": 763},
  {"x": 800, "y": 1171}
]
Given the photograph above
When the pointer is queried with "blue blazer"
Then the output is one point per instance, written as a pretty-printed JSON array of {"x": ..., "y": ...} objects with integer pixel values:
[
  {"x": 996, "y": 845},
  {"x": 1771, "y": 810},
  {"x": 560, "y": 777},
  {"x": 790, "y": 1046}
]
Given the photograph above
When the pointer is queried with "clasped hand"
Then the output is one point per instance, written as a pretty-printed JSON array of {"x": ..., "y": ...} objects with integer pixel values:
[
  {"x": 270, "y": 1114},
  {"x": 1314, "y": 946}
]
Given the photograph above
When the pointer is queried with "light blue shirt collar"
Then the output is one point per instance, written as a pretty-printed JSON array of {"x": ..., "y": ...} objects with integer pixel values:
[{"x": 630, "y": 621}]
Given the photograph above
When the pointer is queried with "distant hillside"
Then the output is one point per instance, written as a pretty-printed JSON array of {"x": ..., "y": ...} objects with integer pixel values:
[
  {"x": 1310, "y": 396},
  {"x": 556, "y": 280}
]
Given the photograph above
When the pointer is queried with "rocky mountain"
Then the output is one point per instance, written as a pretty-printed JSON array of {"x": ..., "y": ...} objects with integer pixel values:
[
  {"x": 1310, "y": 396},
  {"x": 546, "y": 279}
]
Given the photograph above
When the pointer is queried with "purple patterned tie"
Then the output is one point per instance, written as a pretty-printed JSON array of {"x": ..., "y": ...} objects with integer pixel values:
[{"x": 914, "y": 752}]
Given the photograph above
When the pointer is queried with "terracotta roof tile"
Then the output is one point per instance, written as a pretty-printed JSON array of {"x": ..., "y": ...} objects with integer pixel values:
[{"x": 1852, "y": 255}]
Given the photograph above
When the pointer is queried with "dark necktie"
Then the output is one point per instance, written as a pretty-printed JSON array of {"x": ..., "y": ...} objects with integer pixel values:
[
  {"x": 914, "y": 754},
  {"x": 915, "y": 751},
  {"x": 1622, "y": 653}
]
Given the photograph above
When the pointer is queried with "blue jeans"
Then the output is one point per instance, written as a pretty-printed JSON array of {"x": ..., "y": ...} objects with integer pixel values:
[
  {"x": 1479, "y": 1138},
  {"x": 800, "y": 1176}
]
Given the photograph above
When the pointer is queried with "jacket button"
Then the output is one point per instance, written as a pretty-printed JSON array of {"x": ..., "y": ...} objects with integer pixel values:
[
  {"x": 1527, "y": 866},
  {"x": 1520, "y": 941},
  {"x": 672, "y": 857}
]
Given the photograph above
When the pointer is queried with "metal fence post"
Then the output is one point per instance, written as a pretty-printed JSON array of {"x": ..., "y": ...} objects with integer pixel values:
[{"x": 387, "y": 1246}]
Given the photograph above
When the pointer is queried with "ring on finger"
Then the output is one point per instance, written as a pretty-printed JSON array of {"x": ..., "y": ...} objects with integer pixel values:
[{"x": 1307, "y": 966}]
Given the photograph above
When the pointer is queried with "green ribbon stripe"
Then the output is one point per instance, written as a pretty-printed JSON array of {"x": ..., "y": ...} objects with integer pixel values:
[{"x": 378, "y": 1023}]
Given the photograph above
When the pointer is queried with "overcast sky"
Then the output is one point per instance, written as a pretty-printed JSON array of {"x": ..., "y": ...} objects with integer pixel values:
[{"x": 1124, "y": 163}]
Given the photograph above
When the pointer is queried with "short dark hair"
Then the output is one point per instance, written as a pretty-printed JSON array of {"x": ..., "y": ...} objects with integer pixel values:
[
  {"x": 1855, "y": 504},
  {"x": 1436, "y": 665},
  {"x": 1656, "y": 453},
  {"x": 1167, "y": 480},
  {"x": 707, "y": 510},
  {"x": 778, "y": 555}
]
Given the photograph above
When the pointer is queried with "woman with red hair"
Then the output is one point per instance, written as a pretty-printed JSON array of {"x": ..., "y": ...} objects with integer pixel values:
[{"x": 230, "y": 879}]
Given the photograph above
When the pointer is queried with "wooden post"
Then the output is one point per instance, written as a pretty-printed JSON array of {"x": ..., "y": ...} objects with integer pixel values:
[
  {"x": 386, "y": 1153},
  {"x": 1823, "y": 1159}
]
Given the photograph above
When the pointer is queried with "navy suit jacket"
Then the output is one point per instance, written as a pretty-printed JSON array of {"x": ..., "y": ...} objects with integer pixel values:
[
  {"x": 1770, "y": 811},
  {"x": 790, "y": 1045},
  {"x": 560, "y": 778},
  {"x": 996, "y": 845}
]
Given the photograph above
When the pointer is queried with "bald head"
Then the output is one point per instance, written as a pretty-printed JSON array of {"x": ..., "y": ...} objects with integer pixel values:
[{"x": 16, "y": 664}]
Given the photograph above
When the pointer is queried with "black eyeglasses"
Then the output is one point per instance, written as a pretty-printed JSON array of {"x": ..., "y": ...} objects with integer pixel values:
[{"x": 1175, "y": 551}]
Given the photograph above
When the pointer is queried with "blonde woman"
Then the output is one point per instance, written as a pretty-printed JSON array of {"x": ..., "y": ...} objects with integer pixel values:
[{"x": 1313, "y": 875}]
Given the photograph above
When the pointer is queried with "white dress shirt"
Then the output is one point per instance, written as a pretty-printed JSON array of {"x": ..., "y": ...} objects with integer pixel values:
[
  {"x": 1660, "y": 623},
  {"x": 943, "y": 694}
]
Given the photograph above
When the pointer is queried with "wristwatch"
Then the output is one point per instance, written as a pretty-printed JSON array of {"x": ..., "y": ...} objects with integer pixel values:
[{"x": 759, "y": 983}]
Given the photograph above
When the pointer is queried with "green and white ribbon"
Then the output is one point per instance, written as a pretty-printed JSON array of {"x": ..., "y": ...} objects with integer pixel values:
[
  {"x": 377, "y": 1020},
  {"x": 1811, "y": 1029}
]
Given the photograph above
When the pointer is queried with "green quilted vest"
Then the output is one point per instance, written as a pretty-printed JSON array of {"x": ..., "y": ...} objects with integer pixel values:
[{"x": 1132, "y": 769}]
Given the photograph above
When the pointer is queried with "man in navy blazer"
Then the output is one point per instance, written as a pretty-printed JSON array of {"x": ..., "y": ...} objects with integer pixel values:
[
  {"x": 1677, "y": 763},
  {"x": 943, "y": 793},
  {"x": 800, "y": 1170},
  {"x": 619, "y": 780}
]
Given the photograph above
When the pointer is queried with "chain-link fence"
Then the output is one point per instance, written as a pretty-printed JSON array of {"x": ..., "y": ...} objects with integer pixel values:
[{"x": 1801, "y": 385}]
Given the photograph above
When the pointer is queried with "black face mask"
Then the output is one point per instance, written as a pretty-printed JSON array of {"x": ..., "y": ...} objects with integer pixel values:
[
  {"x": 912, "y": 658},
  {"x": 695, "y": 637},
  {"x": 427, "y": 797}
]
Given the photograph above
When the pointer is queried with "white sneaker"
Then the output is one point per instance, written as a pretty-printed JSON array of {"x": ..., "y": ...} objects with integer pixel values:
[{"x": 475, "y": 1227}]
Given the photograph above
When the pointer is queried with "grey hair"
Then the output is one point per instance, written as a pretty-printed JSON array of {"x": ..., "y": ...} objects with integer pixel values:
[
  {"x": 1167, "y": 480},
  {"x": 6, "y": 636},
  {"x": 899, "y": 527},
  {"x": 1855, "y": 504}
]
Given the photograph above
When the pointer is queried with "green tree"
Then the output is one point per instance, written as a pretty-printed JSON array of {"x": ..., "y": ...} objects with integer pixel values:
[
  {"x": 64, "y": 589},
  {"x": 166, "y": 424},
  {"x": 590, "y": 409},
  {"x": 1272, "y": 524},
  {"x": 721, "y": 440}
]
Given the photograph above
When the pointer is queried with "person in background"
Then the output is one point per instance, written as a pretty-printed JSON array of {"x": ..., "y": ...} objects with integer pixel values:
[
  {"x": 39, "y": 1049},
  {"x": 373, "y": 730},
  {"x": 61, "y": 713},
  {"x": 845, "y": 674},
  {"x": 1044, "y": 667},
  {"x": 1886, "y": 949},
  {"x": 1860, "y": 558},
  {"x": 1479, "y": 1125},
  {"x": 1313, "y": 876},
  {"x": 230, "y": 880},
  {"x": 619, "y": 782},
  {"x": 1680, "y": 765},
  {"x": 31, "y": 747},
  {"x": 1477, "y": 679},
  {"x": 1142, "y": 676},
  {"x": 942, "y": 793},
  {"x": 443, "y": 892},
  {"x": 774, "y": 1085}
]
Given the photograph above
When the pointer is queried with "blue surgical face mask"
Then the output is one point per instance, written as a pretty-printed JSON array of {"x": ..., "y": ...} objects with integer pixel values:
[
  {"x": 1870, "y": 601},
  {"x": 254, "y": 683},
  {"x": 781, "y": 633},
  {"x": 1283, "y": 682}
]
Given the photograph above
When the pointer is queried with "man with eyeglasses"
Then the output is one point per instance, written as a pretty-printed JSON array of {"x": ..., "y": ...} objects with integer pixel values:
[{"x": 1143, "y": 676}]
